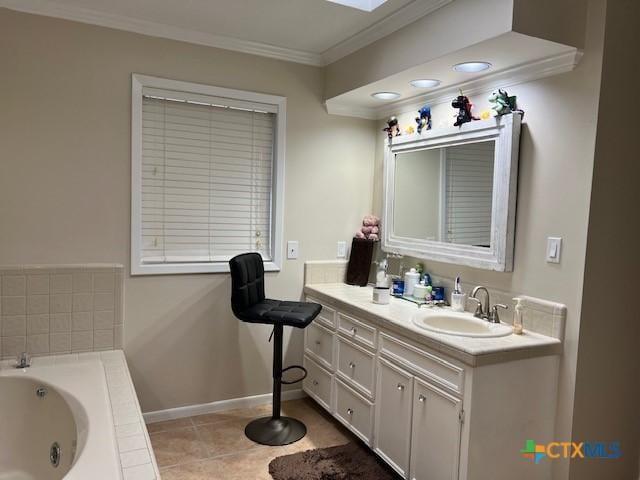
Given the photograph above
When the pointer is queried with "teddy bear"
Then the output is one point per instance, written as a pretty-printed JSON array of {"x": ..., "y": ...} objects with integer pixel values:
[{"x": 370, "y": 229}]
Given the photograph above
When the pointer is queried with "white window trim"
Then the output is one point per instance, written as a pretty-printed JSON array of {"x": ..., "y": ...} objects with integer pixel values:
[{"x": 138, "y": 82}]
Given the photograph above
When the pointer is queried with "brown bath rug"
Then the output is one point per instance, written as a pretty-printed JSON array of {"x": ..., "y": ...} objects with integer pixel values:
[{"x": 345, "y": 462}]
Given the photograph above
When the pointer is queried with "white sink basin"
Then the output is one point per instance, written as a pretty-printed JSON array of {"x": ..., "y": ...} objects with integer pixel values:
[{"x": 460, "y": 324}]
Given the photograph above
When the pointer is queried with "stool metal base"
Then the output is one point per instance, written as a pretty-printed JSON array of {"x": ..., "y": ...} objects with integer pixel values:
[{"x": 275, "y": 431}]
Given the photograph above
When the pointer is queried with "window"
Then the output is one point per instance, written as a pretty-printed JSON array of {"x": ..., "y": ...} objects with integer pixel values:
[{"x": 207, "y": 176}]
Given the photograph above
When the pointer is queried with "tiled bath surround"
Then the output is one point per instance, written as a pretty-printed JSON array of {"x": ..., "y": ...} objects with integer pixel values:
[
  {"x": 540, "y": 316},
  {"x": 137, "y": 459},
  {"x": 51, "y": 309}
]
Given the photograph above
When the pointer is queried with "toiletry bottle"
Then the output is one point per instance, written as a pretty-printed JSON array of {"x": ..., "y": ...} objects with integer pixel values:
[
  {"x": 411, "y": 278},
  {"x": 518, "y": 326},
  {"x": 420, "y": 291},
  {"x": 428, "y": 296},
  {"x": 397, "y": 286},
  {"x": 458, "y": 298}
]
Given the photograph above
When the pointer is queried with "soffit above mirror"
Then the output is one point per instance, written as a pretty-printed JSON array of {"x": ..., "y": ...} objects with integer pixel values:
[{"x": 518, "y": 45}]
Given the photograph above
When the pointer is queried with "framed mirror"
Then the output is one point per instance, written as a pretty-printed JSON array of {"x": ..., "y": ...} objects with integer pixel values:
[{"x": 450, "y": 195}]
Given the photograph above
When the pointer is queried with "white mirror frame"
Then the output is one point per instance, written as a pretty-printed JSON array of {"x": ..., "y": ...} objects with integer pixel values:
[{"x": 505, "y": 130}]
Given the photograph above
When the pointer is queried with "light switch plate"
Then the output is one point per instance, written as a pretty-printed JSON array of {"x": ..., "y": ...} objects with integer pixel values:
[
  {"x": 292, "y": 249},
  {"x": 554, "y": 247},
  {"x": 341, "y": 251}
]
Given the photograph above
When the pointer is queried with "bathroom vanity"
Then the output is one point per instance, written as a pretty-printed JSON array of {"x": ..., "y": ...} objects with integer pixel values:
[{"x": 431, "y": 405}]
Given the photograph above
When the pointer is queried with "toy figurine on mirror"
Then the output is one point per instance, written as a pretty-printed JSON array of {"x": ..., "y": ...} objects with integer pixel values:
[
  {"x": 424, "y": 119},
  {"x": 464, "y": 106},
  {"x": 392, "y": 128},
  {"x": 503, "y": 104}
]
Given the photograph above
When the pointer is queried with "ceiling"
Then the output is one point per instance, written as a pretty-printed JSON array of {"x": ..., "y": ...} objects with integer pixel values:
[{"x": 309, "y": 31}]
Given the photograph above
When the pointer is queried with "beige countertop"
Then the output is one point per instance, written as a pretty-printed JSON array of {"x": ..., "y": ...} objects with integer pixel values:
[{"x": 397, "y": 315}]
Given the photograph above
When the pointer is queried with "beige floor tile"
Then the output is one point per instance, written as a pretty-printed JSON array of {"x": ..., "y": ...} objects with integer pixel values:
[
  {"x": 236, "y": 414},
  {"x": 225, "y": 437},
  {"x": 189, "y": 471},
  {"x": 217, "y": 449},
  {"x": 169, "y": 425},
  {"x": 178, "y": 446},
  {"x": 253, "y": 465}
]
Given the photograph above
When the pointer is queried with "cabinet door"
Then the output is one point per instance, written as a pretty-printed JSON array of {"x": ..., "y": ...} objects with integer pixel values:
[
  {"x": 394, "y": 392},
  {"x": 435, "y": 433}
]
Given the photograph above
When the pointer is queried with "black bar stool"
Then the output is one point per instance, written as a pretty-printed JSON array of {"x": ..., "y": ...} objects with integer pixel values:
[{"x": 250, "y": 305}]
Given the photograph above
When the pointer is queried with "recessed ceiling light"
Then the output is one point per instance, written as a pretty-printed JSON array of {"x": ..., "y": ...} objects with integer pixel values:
[
  {"x": 385, "y": 95},
  {"x": 472, "y": 67},
  {"x": 425, "y": 83}
]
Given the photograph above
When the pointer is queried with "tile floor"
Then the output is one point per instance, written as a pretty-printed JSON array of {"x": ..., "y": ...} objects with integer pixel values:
[{"x": 213, "y": 447}]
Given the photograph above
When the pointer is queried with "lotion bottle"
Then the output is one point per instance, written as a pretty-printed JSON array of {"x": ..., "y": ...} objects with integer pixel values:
[
  {"x": 411, "y": 278},
  {"x": 518, "y": 326}
]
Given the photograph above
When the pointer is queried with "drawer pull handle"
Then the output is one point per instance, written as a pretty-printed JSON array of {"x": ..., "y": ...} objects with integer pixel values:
[
  {"x": 354, "y": 330},
  {"x": 401, "y": 387},
  {"x": 315, "y": 383},
  {"x": 352, "y": 365},
  {"x": 349, "y": 411},
  {"x": 318, "y": 342},
  {"x": 422, "y": 398}
]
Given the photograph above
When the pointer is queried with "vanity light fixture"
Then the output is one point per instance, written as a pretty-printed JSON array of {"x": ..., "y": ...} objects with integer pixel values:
[
  {"x": 425, "y": 83},
  {"x": 472, "y": 67},
  {"x": 385, "y": 95}
]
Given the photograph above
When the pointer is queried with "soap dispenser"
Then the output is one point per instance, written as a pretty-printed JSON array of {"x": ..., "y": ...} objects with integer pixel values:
[
  {"x": 458, "y": 298},
  {"x": 518, "y": 325},
  {"x": 381, "y": 274}
]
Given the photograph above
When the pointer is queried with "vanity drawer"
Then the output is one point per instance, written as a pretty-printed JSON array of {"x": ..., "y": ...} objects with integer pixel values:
[
  {"x": 423, "y": 363},
  {"x": 318, "y": 383},
  {"x": 357, "y": 330},
  {"x": 327, "y": 316},
  {"x": 354, "y": 411},
  {"x": 318, "y": 344},
  {"x": 356, "y": 365}
]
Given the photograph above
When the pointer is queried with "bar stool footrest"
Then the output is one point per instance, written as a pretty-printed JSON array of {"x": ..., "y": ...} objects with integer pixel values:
[{"x": 299, "y": 367}]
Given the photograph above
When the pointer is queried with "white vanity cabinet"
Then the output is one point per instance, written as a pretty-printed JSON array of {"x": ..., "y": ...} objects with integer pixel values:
[
  {"x": 435, "y": 433},
  {"x": 428, "y": 415},
  {"x": 394, "y": 416}
]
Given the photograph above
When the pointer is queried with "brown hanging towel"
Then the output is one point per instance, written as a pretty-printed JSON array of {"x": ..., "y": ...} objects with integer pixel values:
[{"x": 360, "y": 262}]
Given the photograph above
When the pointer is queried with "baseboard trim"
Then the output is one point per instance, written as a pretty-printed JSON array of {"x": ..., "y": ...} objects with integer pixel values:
[{"x": 204, "y": 408}]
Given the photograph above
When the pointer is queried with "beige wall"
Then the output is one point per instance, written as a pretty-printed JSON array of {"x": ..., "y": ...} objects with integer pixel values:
[
  {"x": 65, "y": 191},
  {"x": 554, "y": 186},
  {"x": 608, "y": 370}
]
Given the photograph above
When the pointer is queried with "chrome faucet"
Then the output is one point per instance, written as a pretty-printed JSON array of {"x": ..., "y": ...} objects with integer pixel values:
[
  {"x": 485, "y": 311},
  {"x": 23, "y": 360},
  {"x": 481, "y": 311}
]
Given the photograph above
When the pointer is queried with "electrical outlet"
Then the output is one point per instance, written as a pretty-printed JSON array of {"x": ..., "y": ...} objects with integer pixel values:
[
  {"x": 342, "y": 250},
  {"x": 292, "y": 249}
]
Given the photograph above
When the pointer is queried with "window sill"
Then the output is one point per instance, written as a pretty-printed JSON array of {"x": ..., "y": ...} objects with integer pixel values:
[{"x": 190, "y": 268}]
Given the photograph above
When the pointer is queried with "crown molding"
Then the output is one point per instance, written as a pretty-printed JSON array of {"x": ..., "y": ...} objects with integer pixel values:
[
  {"x": 154, "y": 29},
  {"x": 509, "y": 77},
  {"x": 386, "y": 26},
  {"x": 406, "y": 15}
]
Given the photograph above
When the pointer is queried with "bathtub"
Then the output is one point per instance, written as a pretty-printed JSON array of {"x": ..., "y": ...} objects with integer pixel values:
[{"x": 56, "y": 422}]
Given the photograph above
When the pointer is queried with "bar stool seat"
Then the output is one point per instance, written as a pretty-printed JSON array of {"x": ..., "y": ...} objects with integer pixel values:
[
  {"x": 249, "y": 304},
  {"x": 292, "y": 314}
]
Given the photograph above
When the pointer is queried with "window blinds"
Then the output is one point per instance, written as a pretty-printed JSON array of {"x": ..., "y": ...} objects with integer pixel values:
[
  {"x": 469, "y": 191},
  {"x": 206, "y": 179}
]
